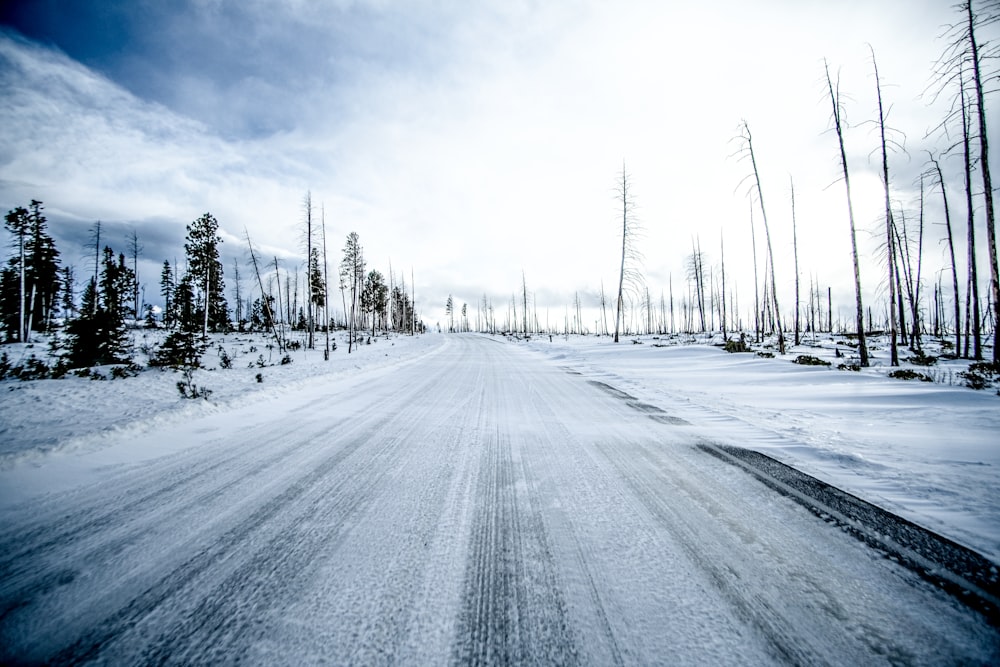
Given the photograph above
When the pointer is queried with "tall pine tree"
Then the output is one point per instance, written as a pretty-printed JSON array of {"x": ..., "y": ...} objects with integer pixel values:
[{"x": 205, "y": 272}]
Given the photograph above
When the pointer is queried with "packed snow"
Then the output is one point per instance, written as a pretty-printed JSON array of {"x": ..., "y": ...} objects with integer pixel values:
[{"x": 480, "y": 499}]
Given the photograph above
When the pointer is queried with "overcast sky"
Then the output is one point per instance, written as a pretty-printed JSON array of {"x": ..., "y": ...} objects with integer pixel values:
[{"x": 469, "y": 141}]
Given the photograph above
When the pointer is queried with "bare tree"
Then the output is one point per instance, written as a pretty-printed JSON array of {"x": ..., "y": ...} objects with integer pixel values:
[
  {"x": 890, "y": 247},
  {"x": 629, "y": 274},
  {"x": 951, "y": 252},
  {"x": 839, "y": 125},
  {"x": 263, "y": 294},
  {"x": 326, "y": 287},
  {"x": 748, "y": 139},
  {"x": 795, "y": 251}
]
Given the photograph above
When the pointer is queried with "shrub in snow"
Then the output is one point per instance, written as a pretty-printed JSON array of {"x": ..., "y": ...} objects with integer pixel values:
[
  {"x": 921, "y": 359},
  {"x": 188, "y": 389},
  {"x": 907, "y": 374},
  {"x": 181, "y": 349},
  {"x": 740, "y": 345},
  {"x": 981, "y": 374},
  {"x": 809, "y": 360}
]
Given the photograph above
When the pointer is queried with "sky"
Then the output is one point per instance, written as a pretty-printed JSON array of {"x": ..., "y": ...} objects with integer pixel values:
[{"x": 470, "y": 142}]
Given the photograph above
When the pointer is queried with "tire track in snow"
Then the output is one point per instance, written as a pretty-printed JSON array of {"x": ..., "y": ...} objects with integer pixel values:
[
  {"x": 50, "y": 525},
  {"x": 513, "y": 611},
  {"x": 260, "y": 557},
  {"x": 36, "y": 569}
]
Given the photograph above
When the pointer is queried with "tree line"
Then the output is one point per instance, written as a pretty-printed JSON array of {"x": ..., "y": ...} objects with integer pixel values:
[{"x": 39, "y": 295}]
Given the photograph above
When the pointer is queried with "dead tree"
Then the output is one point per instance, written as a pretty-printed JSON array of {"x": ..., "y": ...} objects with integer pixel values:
[
  {"x": 628, "y": 274},
  {"x": 839, "y": 126},
  {"x": 951, "y": 253},
  {"x": 746, "y": 136},
  {"x": 891, "y": 257},
  {"x": 263, "y": 294},
  {"x": 795, "y": 251}
]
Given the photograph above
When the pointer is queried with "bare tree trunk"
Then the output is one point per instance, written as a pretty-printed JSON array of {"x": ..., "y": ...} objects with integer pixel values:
[
  {"x": 984, "y": 168},
  {"x": 795, "y": 251},
  {"x": 767, "y": 236},
  {"x": 326, "y": 287},
  {"x": 890, "y": 259},
  {"x": 951, "y": 252},
  {"x": 835, "y": 101},
  {"x": 756, "y": 280},
  {"x": 263, "y": 294},
  {"x": 310, "y": 321},
  {"x": 977, "y": 343},
  {"x": 277, "y": 280},
  {"x": 722, "y": 250},
  {"x": 915, "y": 313},
  {"x": 623, "y": 192}
]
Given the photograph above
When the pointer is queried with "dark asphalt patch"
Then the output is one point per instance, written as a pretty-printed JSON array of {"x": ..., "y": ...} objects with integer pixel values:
[{"x": 967, "y": 575}]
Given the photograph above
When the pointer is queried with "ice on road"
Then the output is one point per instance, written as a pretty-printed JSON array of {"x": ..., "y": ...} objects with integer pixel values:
[{"x": 477, "y": 505}]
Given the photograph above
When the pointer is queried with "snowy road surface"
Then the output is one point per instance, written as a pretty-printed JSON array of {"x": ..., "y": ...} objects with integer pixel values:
[{"x": 477, "y": 505}]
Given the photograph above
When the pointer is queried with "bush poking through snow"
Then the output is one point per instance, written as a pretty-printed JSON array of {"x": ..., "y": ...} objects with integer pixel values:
[
  {"x": 740, "y": 345},
  {"x": 809, "y": 360},
  {"x": 921, "y": 359},
  {"x": 181, "y": 349},
  {"x": 981, "y": 375},
  {"x": 907, "y": 374},
  {"x": 127, "y": 371},
  {"x": 188, "y": 389}
]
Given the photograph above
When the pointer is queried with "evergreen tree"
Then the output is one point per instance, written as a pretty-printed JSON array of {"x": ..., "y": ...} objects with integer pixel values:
[
  {"x": 167, "y": 288},
  {"x": 17, "y": 223},
  {"x": 10, "y": 302},
  {"x": 374, "y": 296},
  {"x": 317, "y": 286},
  {"x": 98, "y": 336},
  {"x": 41, "y": 270},
  {"x": 205, "y": 272}
]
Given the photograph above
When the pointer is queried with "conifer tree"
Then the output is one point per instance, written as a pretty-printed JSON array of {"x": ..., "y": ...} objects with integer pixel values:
[
  {"x": 205, "y": 272},
  {"x": 98, "y": 336}
]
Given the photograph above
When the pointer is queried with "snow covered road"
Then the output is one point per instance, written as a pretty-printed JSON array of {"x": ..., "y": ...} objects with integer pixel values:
[{"x": 477, "y": 505}]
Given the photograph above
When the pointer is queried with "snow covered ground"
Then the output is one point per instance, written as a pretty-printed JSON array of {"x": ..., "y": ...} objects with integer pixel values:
[
  {"x": 471, "y": 499},
  {"x": 927, "y": 451}
]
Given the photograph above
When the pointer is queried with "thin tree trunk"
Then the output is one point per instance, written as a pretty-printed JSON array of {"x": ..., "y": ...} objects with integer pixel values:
[
  {"x": 722, "y": 250},
  {"x": 984, "y": 168},
  {"x": 767, "y": 236},
  {"x": 951, "y": 253},
  {"x": 977, "y": 343},
  {"x": 263, "y": 294},
  {"x": 915, "y": 314},
  {"x": 835, "y": 101},
  {"x": 890, "y": 260},
  {"x": 795, "y": 251}
]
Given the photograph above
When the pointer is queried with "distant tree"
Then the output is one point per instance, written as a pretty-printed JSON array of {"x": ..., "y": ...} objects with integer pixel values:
[
  {"x": 167, "y": 288},
  {"x": 375, "y": 296},
  {"x": 352, "y": 272},
  {"x": 629, "y": 274},
  {"x": 449, "y": 309},
  {"x": 68, "y": 294}
]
